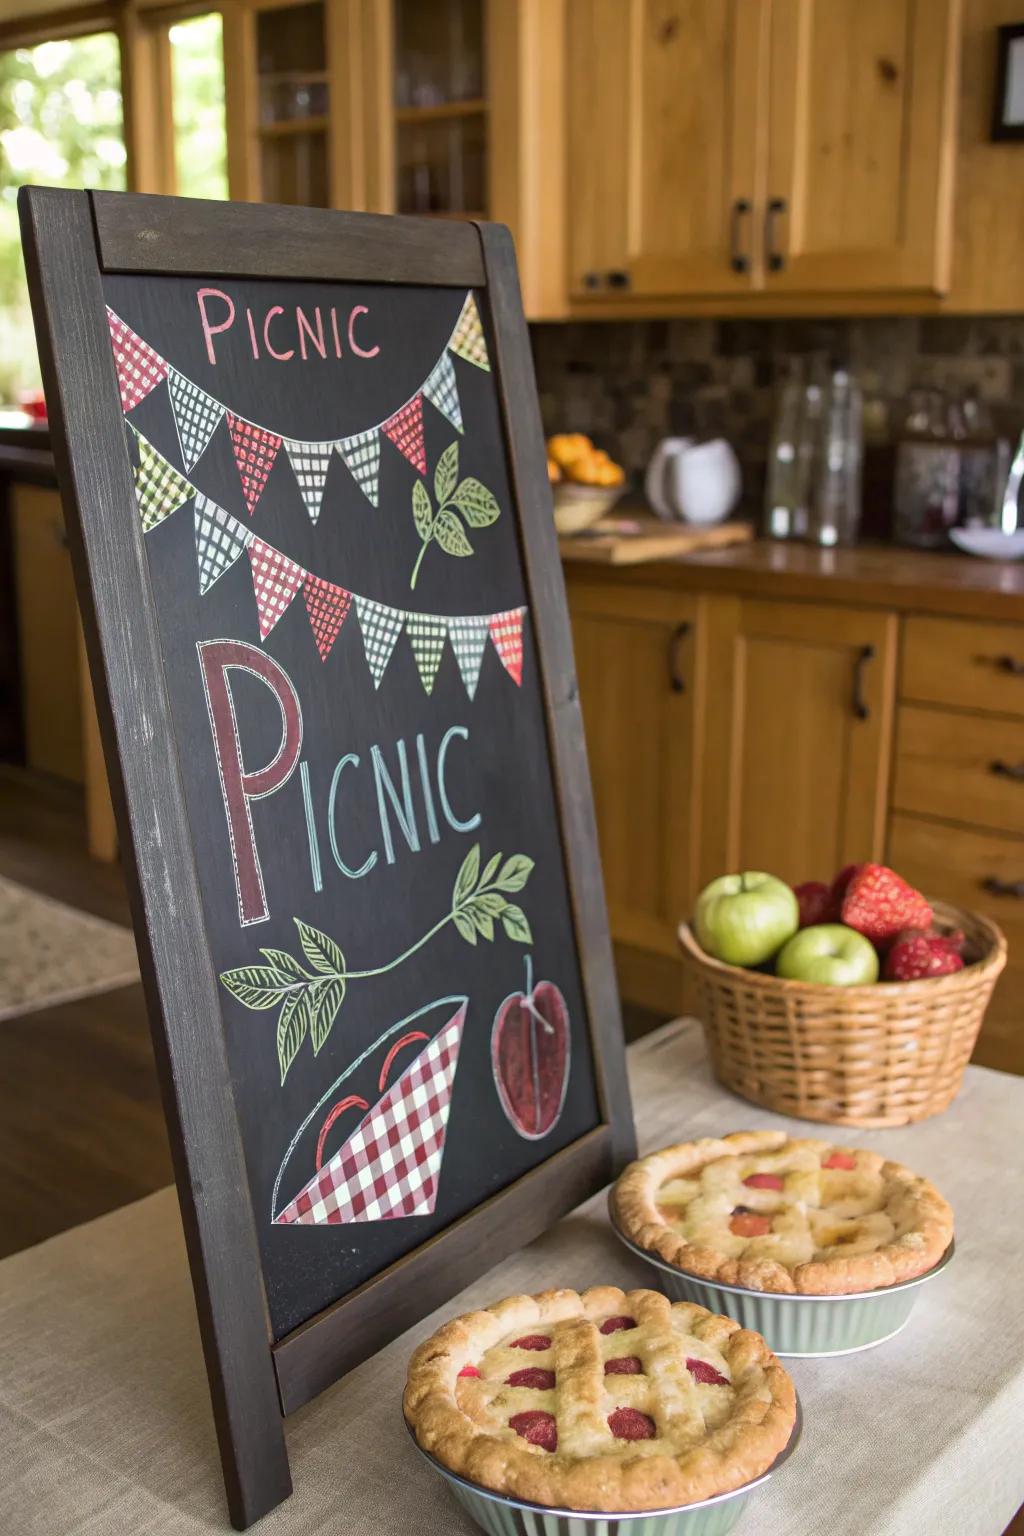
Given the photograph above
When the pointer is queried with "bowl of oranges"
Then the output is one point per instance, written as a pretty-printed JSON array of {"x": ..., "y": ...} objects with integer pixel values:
[{"x": 585, "y": 482}]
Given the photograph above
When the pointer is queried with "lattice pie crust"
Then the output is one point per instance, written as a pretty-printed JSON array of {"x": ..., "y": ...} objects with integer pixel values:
[
  {"x": 759, "y": 1210},
  {"x": 609, "y": 1400}
]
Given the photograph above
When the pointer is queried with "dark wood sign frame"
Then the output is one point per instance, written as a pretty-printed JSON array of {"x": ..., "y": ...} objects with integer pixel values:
[{"x": 71, "y": 240}]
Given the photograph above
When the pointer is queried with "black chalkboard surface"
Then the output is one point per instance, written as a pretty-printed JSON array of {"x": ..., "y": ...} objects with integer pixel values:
[{"x": 313, "y": 543}]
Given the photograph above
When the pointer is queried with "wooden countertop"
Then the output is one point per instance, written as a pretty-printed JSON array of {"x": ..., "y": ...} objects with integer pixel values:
[{"x": 873, "y": 576}]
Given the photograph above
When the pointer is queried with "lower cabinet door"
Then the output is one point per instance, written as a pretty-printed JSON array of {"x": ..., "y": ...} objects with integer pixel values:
[{"x": 635, "y": 651}]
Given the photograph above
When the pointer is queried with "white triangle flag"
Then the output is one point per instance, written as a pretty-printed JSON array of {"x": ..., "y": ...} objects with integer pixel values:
[
  {"x": 442, "y": 390},
  {"x": 381, "y": 627},
  {"x": 426, "y": 636},
  {"x": 310, "y": 462},
  {"x": 197, "y": 416},
  {"x": 469, "y": 637},
  {"x": 220, "y": 539},
  {"x": 362, "y": 455}
]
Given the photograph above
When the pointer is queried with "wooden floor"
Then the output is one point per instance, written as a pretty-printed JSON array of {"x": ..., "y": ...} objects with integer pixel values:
[{"x": 81, "y": 1128}]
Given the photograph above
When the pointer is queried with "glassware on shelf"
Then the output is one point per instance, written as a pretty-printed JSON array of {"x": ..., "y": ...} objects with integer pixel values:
[
  {"x": 836, "y": 502},
  {"x": 294, "y": 102},
  {"x": 440, "y": 109},
  {"x": 950, "y": 469},
  {"x": 791, "y": 460}
]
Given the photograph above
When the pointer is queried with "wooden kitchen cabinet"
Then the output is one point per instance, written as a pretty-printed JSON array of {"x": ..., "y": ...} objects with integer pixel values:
[{"x": 759, "y": 147}]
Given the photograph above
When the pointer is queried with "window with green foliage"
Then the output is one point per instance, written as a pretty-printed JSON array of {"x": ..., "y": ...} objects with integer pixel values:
[
  {"x": 61, "y": 125},
  {"x": 197, "y": 86}
]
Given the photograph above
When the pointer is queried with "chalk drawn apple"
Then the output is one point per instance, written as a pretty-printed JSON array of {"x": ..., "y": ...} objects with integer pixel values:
[{"x": 530, "y": 1056}]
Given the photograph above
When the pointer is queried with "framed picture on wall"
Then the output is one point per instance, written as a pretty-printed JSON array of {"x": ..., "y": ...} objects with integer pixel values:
[{"x": 1008, "y": 109}]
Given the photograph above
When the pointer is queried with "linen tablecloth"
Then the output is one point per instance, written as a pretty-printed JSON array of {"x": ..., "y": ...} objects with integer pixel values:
[{"x": 106, "y": 1429}]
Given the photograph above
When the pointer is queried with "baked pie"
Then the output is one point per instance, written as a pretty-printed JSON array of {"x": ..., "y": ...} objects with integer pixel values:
[
  {"x": 762, "y": 1210},
  {"x": 606, "y": 1401}
]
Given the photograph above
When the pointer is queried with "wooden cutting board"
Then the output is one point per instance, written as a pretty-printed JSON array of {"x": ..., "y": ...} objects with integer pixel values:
[{"x": 632, "y": 540}]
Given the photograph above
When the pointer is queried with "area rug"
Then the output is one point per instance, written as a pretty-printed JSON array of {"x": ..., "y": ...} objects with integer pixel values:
[{"x": 51, "y": 953}]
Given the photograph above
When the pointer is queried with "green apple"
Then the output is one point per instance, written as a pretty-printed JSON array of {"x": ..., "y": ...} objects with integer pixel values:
[
  {"x": 830, "y": 953},
  {"x": 744, "y": 919}
]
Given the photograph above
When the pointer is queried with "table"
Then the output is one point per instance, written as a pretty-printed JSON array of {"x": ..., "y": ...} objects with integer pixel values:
[{"x": 106, "y": 1430}]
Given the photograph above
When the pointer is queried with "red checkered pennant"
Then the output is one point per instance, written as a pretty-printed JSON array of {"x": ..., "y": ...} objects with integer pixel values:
[
  {"x": 507, "y": 633},
  {"x": 327, "y": 606},
  {"x": 405, "y": 429},
  {"x": 391, "y": 1165},
  {"x": 275, "y": 581},
  {"x": 139, "y": 368},
  {"x": 255, "y": 452}
]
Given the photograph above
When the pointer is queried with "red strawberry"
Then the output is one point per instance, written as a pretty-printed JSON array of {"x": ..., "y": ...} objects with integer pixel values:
[
  {"x": 532, "y": 1341},
  {"x": 631, "y": 1424},
  {"x": 912, "y": 959},
  {"x": 700, "y": 1370},
  {"x": 624, "y": 1365},
  {"x": 840, "y": 1160},
  {"x": 617, "y": 1324},
  {"x": 878, "y": 903},
  {"x": 837, "y": 890},
  {"x": 533, "y": 1376},
  {"x": 469, "y": 1370},
  {"x": 763, "y": 1181},
  {"x": 814, "y": 901},
  {"x": 536, "y": 1427}
]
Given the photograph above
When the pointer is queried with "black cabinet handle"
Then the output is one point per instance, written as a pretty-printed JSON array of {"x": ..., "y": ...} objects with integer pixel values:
[
  {"x": 864, "y": 655},
  {"x": 776, "y": 260},
  {"x": 618, "y": 279},
  {"x": 997, "y": 887},
  {"x": 1007, "y": 770},
  {"x": 1011, "y": 665},
  {"x": 676, "y": 681},
  {"x": 739, "y": 260},
  {"x": 591, "y": 280}
]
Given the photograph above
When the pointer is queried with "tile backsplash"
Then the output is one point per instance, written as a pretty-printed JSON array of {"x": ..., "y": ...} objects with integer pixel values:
[{"x": 630, "y": 383}]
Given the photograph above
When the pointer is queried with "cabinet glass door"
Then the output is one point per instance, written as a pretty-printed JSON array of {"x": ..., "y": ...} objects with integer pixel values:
[
  {"x": 293, "y": 104},
  {"x": 440, "y": 107}
]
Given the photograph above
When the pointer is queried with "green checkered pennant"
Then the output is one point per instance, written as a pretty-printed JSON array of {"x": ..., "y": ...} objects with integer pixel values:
[
  {"x": 310, "y": 463},
  {"x": 426, "y": 636},
  {"x": 468, "y": 337},
  {"x": 220, "y": 539},
  {"x": 381, "y": 627},
  {"x": 442, "y": 391},
  {"x": 197, "y": 416},
  {"x": 159, "y": 487},
  {"x": 362, "y": 455},
  {"x": 469, "y": 637}
]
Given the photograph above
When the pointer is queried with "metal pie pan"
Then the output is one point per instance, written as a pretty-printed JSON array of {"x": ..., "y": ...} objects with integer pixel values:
[
  {"x": 499, "y": 1515},
  {"x": 799, "y": 1327}
]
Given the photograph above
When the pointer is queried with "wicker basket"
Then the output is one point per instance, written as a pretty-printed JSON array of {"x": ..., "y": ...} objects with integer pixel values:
[{"x": 874, "y": 1056}]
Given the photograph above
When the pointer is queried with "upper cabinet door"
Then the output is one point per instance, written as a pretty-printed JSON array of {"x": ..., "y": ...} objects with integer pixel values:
[
  {"x": 664, "y": 99},
  {"x": 862, "y": 129}
]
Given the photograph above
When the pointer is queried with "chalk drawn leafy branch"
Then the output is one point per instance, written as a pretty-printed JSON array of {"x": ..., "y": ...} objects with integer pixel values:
[
  {"x": 310, "y": 999},
  {"x": 457, "y": 500}
]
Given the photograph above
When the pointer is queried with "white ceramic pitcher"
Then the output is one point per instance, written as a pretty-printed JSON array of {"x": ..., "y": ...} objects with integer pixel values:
[{"x": 694, "y": 482}]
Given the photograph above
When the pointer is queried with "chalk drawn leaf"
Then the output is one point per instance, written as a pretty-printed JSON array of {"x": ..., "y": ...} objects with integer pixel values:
[
  {"x": 465, "y": 880},
  {"x": 451, "y": 535},
  {"x": 292, "y": 1025},
  {"x": 446, "y": 473},
  {"x": 476, "y": 503},
  {"x": 282, "y": 961},
  {"x": 320, "y": 949},
  {"x": 491, "y": 902},
  {"x": 482, "y": 920},
  {"x": 514, "y": 873},
  {"x": 464, "y": 924},
  {"x": 490, "y": 870},
  {"x": 514, "y": 922},
  {"x": 257, "y": 986},
  {"x": 328, "y": 998},
  {"x": 422, "y": 511}
]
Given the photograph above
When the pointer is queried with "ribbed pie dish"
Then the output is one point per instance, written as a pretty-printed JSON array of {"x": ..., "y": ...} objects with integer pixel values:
[{"x": 499, "y": 1515}]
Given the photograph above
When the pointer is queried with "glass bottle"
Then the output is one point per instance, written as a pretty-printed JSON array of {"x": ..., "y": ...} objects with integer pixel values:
[{"x": 835, "y": 510}]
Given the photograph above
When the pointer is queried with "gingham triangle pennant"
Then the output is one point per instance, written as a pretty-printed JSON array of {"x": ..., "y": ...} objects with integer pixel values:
[
  {"x": 362, "y": 456},
  {"x": 442, "y": 390},
  {"x": 381, "y": 627},
  {"x": 159, "y": 488},
  {"x": 426, "y": 636},
  {"x": 469, "y": 637},
  {"x": 220, "y": 539},
  {"x": 327, "y": 606},
  {"x": 255, "y": 452},
  {"x": 139, "y": 368},
  {"x": 197, "y": 416},
  {"x": 468, "y": 337},
  {"x": 391, "y": 1164},
  {"x": 310, "y": 463},
  {"x": 507, "y": 633},
  {"x": 275, "y": 581},
  {"x": 405, "y": 430}
]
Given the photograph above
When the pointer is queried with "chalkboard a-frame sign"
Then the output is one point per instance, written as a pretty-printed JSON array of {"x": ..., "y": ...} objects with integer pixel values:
[{"x": 305, "y": 487}]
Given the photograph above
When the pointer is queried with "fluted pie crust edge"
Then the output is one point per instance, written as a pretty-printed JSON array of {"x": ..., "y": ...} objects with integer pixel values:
[
  {"x": 925, "y": 1214},
  {"x": 737, "y": 1452}
]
